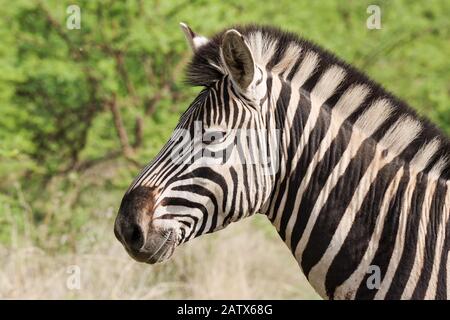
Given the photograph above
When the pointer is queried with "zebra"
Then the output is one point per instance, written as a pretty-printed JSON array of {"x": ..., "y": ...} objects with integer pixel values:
[{"x": 355, "y": 179}]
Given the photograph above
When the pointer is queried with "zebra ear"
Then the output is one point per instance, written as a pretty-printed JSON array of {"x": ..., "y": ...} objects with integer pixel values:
[
  {"x": 238, "y": 58},
  {"x": 195, "y": 41}
]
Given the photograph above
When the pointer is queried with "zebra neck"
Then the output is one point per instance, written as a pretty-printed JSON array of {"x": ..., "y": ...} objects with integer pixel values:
[{"x": 344, "y": 206}]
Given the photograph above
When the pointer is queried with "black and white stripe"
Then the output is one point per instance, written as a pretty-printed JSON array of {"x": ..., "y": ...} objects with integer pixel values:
[{"x": 362, "y": 179}]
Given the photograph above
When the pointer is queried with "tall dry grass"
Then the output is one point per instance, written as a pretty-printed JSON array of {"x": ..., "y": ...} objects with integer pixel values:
[{"x": 242, "y": 262}]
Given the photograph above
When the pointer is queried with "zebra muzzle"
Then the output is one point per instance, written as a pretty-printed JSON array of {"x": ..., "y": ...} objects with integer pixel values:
[
  {"x": 134, "y": 228},
  {"x": 159, "y": 246},
  {"x": 154, "y": 247}
]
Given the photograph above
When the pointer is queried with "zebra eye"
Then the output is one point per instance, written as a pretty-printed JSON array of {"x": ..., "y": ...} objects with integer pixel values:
[{"x": 212, "y": 137}]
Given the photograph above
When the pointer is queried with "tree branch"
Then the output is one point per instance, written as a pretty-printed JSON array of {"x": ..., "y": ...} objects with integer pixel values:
[
  {"x": 121, "y": 132},
  {"x": 138, "y": 132}
]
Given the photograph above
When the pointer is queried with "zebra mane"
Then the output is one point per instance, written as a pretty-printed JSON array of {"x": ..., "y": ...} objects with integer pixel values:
[{"x": 283, "y": 53}]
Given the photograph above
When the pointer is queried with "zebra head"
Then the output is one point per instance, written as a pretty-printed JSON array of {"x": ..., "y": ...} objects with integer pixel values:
[{"x": 217, "y": 166}]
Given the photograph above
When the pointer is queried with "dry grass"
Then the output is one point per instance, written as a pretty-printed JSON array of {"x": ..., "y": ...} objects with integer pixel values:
[{"x": 241, "y": 262}]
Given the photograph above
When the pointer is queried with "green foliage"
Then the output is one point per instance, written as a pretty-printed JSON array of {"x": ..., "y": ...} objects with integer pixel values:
[{"x": 63, "y": 92}]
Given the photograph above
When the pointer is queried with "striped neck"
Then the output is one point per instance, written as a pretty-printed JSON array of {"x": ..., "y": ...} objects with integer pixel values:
[{"x": 344, "y": 202}]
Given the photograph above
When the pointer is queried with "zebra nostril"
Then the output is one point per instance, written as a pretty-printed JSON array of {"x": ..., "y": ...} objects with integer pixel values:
[
  {"x": 136, "y": 207},
  {"x": 133, "y": 237}
]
